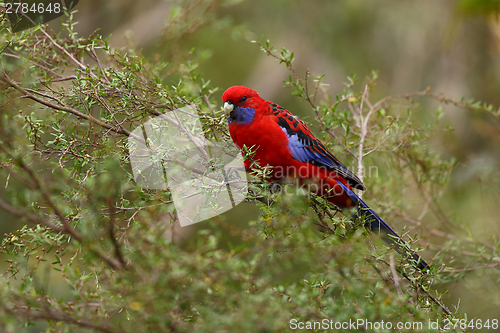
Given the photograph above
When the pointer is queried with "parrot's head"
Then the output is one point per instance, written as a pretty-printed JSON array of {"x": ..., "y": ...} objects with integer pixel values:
[{"x": 241, "y": 104}]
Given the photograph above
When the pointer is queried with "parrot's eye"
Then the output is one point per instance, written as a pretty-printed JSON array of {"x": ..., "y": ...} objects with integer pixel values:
[{"x": 243, "y": 99}]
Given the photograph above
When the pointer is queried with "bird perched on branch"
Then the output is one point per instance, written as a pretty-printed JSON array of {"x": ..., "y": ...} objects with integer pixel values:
[{"x": 283, "y": 141}]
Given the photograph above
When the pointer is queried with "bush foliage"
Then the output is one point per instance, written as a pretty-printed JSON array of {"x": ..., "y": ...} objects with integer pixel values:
[{"x": 97, "y": 252}]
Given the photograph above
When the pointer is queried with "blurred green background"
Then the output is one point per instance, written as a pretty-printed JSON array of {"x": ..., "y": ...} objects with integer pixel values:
[{"x": 451, "y": 45}]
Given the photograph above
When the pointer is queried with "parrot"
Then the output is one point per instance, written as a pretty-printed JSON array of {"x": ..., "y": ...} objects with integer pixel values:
[{"x": 282, "y": 141}]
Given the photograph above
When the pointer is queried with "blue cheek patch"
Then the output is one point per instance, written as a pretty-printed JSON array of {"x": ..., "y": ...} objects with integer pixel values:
[{"x": 244, "y": 116}]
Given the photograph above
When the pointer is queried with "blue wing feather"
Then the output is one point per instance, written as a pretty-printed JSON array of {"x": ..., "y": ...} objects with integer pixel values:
[
  {"x": 303, "y": 153},
  {"x": 376, "y": 224},
  {"x": 305, "y": 147}
]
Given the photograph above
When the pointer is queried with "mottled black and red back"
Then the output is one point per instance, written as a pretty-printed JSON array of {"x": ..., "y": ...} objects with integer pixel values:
[{"x": 305, "y": 147}]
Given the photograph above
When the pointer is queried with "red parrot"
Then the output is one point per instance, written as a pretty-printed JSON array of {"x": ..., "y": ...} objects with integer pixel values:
[{"x": 283, "y": 141}]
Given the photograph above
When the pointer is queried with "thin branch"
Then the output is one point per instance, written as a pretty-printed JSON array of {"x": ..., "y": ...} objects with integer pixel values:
[
  {"x": 386, "y": 99},
  {"x": 363, "y": 126},
  {"x": 395, "y": 275},
  {"x": 31, "y": 218},
  {"x": 66, "y": 226},
  {"x": 347, "y": 149},
  {"x": 417, "y": 286},
  {"x": 435, "y": 300},
  {"x": 49, "y": 314},
  {"x": 96, "y": 57},
  {"x": 75, "y": 112},
  {"x": 111, "y": 233},
  {"x": 78, "y": 63}
]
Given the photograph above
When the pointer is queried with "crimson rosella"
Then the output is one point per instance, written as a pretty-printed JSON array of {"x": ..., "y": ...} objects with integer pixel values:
[{"x": 283, "y": 141}]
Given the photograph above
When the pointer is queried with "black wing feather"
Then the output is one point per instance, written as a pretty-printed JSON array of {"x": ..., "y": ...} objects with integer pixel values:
[{"x": 305, "y": 147}]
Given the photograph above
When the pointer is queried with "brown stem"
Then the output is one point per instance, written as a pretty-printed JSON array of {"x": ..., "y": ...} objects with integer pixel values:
[{"x": 77, "y": 113}]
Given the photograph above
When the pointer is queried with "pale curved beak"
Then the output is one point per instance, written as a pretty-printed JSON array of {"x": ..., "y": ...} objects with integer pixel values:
[{"x": 228, "y": 108}]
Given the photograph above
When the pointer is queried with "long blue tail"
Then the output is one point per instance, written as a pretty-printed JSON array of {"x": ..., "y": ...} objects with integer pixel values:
[{"x": 376, "y": 224}]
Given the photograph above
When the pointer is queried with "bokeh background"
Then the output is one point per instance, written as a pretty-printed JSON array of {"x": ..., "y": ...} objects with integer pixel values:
[{"x": 451, "y": 45}]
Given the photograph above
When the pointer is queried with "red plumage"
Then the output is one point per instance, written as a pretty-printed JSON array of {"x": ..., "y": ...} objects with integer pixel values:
[
  {"x": 282, "y": 141},
  {"x": 270, "y": 131}
]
